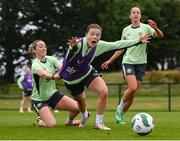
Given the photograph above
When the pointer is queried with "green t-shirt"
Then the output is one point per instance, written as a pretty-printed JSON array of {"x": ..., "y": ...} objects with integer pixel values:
[
  {"x": 43, "y": 89},
  {"x": 102, "y": 46},
  {"x": 138, "y": 54}
]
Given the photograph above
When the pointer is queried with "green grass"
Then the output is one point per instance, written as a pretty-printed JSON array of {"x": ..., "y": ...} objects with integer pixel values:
[
  {"x": 16, "y": 126},
  {"x": 150, "y": 103},
  {"x": 150, "y": 98}
]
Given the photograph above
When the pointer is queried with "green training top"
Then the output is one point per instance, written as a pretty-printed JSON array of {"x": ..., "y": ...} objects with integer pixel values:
[
  {"x": 43, "y": 89},
  {"x": 102, "y": 46},
  {"x": 138, "y": 54}
]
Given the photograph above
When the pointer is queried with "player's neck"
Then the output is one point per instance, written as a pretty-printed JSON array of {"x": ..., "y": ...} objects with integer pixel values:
[
  {"x": 136, "y": 23},
  {"x": 42, "y": 59}
]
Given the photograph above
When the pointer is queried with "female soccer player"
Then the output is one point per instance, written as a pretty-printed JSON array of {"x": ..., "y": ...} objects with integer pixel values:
[
  {"x": 25, "y": 83},
  {"x": 45, "y": 95},
  {"x": 134, "y": 60},
  {"x": 78, "y": 73}
]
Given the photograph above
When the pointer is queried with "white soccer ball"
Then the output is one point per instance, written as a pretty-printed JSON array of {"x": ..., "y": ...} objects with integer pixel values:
[{"x": 142, "y": 124}]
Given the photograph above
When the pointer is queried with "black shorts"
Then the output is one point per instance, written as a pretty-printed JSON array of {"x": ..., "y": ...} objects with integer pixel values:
[
  {"x": 76, "y": 89},
  {"x": 27, "y": 93},
  {"x": 51, "y": 102},
  {"x": 134, "y": 69}
]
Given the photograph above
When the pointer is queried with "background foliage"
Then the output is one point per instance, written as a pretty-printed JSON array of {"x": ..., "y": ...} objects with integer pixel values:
[{"x": 54, "y": 21}]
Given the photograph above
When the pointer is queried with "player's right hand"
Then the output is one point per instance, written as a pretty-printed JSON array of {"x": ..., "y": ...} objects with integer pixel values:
[
  {"x": 145, "y": 38},
  {"x": 105, "y": 65},
  {"x": 56, "y": 76},
  {"x": 73, "y": 41}
]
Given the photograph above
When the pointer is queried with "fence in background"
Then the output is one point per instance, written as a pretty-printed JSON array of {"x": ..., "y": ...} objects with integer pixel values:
[
  {"x": 169, "y": 90},
  {"x": 152, "y": 96}
]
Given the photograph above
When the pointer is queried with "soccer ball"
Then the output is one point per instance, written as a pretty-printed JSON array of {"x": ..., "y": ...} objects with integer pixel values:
[{"x": 142, "y": 124}]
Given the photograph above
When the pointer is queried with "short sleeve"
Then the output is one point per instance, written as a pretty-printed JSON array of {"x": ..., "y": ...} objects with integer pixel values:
[
  {"x": 35, "y": 67},
  {"x": 55, "y": 62},
  {"x": 151, "y": 31}
]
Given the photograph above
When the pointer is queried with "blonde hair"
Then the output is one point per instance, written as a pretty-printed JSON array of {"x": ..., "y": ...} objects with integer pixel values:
[{"x": 32, "y": 46}]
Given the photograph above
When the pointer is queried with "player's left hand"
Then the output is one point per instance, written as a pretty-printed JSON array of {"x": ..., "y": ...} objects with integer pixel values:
[
  {"x": 152, "y": 24},
  {"x": 105, "y": 65}
]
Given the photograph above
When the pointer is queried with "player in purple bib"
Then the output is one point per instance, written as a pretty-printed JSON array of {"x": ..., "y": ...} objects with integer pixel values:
[
  {"x": 77, "y": 71},
  {"x": 25, "y": 83}
]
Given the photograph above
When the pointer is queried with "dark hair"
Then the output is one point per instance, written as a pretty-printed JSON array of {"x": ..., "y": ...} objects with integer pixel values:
[
  {"x": 132, "y": 8},
  {"x": 93, "y": 26}
]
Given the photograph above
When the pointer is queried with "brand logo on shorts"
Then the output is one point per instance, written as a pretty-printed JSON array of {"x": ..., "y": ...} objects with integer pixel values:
[
  {"x": 129, "y": 70},
  {"x": 39, "y": 105}
]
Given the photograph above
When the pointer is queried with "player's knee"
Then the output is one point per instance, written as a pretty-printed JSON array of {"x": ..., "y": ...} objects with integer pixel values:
[
  {"x": 104, "y": 93},
  {"x": 51, "y": 124},
  {"x": 133, "y": 89}
]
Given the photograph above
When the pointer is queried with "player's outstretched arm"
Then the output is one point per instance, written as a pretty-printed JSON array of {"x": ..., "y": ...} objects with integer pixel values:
[{"x": 105, "y": 65}]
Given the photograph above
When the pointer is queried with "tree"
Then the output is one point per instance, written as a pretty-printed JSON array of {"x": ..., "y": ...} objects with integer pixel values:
[
  {"x": 10, "y": 39},
  {"x": 165, "y": 12},
  {"x": 54, "y": 21}
]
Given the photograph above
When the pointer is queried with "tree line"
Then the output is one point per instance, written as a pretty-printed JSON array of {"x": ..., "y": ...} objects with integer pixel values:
[{"x": 54, "y": 21}]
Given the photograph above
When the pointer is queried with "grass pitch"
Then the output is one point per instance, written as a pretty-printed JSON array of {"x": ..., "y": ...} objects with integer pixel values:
[
  {"x": 16, "y": 126},
  {"x": 152, "y": 99}
]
